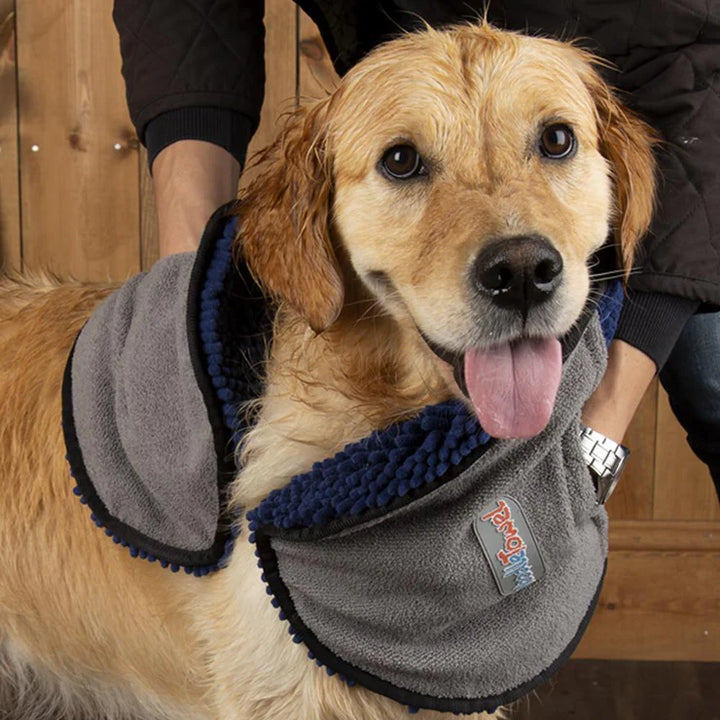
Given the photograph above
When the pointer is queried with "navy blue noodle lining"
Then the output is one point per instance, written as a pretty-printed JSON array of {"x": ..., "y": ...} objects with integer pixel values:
[{"x": 372, "y": 473}]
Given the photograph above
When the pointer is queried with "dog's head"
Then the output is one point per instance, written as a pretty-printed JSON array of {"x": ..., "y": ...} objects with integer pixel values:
[{"x": 464, "y": 177}]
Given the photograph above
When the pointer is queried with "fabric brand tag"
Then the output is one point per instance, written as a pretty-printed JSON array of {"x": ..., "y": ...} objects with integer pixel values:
[{"x": 509, "y": 545}]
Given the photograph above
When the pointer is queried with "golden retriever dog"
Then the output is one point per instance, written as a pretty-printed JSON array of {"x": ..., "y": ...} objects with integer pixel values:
[{"x": 447, "y": 195}]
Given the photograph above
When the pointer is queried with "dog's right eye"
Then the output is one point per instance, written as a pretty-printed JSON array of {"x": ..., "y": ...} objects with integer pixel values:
[
  {"x": 402, "y": 162},
  {"x": 557, "y": 142}
]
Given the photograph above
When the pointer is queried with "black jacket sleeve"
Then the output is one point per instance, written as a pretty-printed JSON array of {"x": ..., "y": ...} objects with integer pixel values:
[
  {"x": 193, "y": 69},
  {"x": 652, "y": 322},
  {"x": 675, "y": 90}
]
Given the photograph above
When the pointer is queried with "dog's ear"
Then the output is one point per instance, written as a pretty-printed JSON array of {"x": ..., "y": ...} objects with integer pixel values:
[
  {"x": 284, "y": 220},
  {"x": 627, "y": 143}
]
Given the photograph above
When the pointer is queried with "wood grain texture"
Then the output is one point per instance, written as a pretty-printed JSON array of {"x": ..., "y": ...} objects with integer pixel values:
[
  {"x": 79, "y": 193},
  {"x": 10, "y": 254},
  {"x": 665, "y": 535},
  {"x": 596, "y": 690},
  {"x": 657, "y": 605},
  {"x": 683, "y": 488},
  {"x": 633, "y": 497},
  {"x": 281, "y": 19}
]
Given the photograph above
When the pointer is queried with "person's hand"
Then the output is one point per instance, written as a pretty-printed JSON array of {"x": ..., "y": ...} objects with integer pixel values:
[
  {"x": 611, "y": 407},
  {"x": 191, "y": 179}
]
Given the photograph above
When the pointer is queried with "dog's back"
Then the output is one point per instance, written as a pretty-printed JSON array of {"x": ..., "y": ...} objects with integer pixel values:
[{"x": 51, "y": 550}]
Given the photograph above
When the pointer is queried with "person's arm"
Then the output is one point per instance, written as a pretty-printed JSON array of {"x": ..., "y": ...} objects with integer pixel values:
[
  {"x": 649, "y": 327},
  {"x": 194, "y": 76},
  {"x": 191, "y": 178},
  {"x": 614, "y": 403}
]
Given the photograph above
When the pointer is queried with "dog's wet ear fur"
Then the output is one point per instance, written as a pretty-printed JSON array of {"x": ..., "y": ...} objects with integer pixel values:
[
  {"x": 284, "y": 231},
  {"x": 627, "y": 143}
]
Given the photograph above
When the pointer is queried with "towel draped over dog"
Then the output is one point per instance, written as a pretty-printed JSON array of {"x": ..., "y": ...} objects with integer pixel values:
[{"x": 427, "y": 562}]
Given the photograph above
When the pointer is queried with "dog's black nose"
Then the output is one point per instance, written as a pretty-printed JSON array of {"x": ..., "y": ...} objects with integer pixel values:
[{"x": 518, "y": 272}]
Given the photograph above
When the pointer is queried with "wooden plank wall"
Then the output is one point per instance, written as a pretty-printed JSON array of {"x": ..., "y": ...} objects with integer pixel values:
[
  {"x": 78, "y": 160},
  {"x": 76, "y": 197},
  {"x": 9, "y": 177}
]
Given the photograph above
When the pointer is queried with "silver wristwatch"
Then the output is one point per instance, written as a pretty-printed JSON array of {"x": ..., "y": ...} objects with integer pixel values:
[{"x": 605, "y": 459}]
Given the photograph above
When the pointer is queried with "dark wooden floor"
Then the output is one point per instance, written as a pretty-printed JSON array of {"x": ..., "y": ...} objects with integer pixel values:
[{"x": 596, "y": 690}]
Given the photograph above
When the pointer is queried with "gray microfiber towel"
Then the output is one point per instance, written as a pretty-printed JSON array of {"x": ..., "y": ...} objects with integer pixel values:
[
  {"x": 427, "y": 562},
  {"x": 467, "y": 583},
  {"x": 150, "y": 402}
]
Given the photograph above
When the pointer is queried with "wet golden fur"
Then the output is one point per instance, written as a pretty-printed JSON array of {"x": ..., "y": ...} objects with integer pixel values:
[{"x": 87, "y": 631}]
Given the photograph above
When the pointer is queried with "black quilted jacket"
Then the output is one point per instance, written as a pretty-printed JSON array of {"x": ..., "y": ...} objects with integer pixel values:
[{"x": 194, "y": 69}]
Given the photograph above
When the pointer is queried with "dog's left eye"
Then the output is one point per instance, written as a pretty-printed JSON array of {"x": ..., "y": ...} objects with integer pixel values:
[
  {"x": 557, "y": 141},
  {"x": 403, "y": 162}
]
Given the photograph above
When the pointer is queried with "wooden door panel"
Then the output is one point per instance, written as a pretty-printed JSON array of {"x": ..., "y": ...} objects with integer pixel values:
[
  {"x": 10, "y": 257},
  {"x": 683, "y": 488},
  {"x": 657, "y": 605},
  {"x": 79, "y": 163}
]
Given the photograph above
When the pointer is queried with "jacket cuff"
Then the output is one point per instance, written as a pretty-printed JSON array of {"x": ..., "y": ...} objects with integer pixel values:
[
  {"x": 652, "y": 322},
  {"x": 220, "y": 126}
]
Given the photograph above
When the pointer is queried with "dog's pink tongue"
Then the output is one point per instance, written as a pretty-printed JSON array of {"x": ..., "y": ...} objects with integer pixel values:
[{"x": 513, "y": 386}]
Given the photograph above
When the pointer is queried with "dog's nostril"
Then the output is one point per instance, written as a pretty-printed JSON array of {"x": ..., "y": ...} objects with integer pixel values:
[
  {"x": 518, "y": 272},
  {"x": 547, "y": 271},
  {"x": 497, "y": 278}
]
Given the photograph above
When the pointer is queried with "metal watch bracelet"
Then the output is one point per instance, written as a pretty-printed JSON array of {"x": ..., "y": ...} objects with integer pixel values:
[{"x": 605, "y": 459}]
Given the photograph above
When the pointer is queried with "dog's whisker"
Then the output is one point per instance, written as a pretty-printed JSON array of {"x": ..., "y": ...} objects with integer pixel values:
[
  {"x": 615, "y": 274},
  {"x": 372, "y": 312},
  {"x": 375, "y": 305}
]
